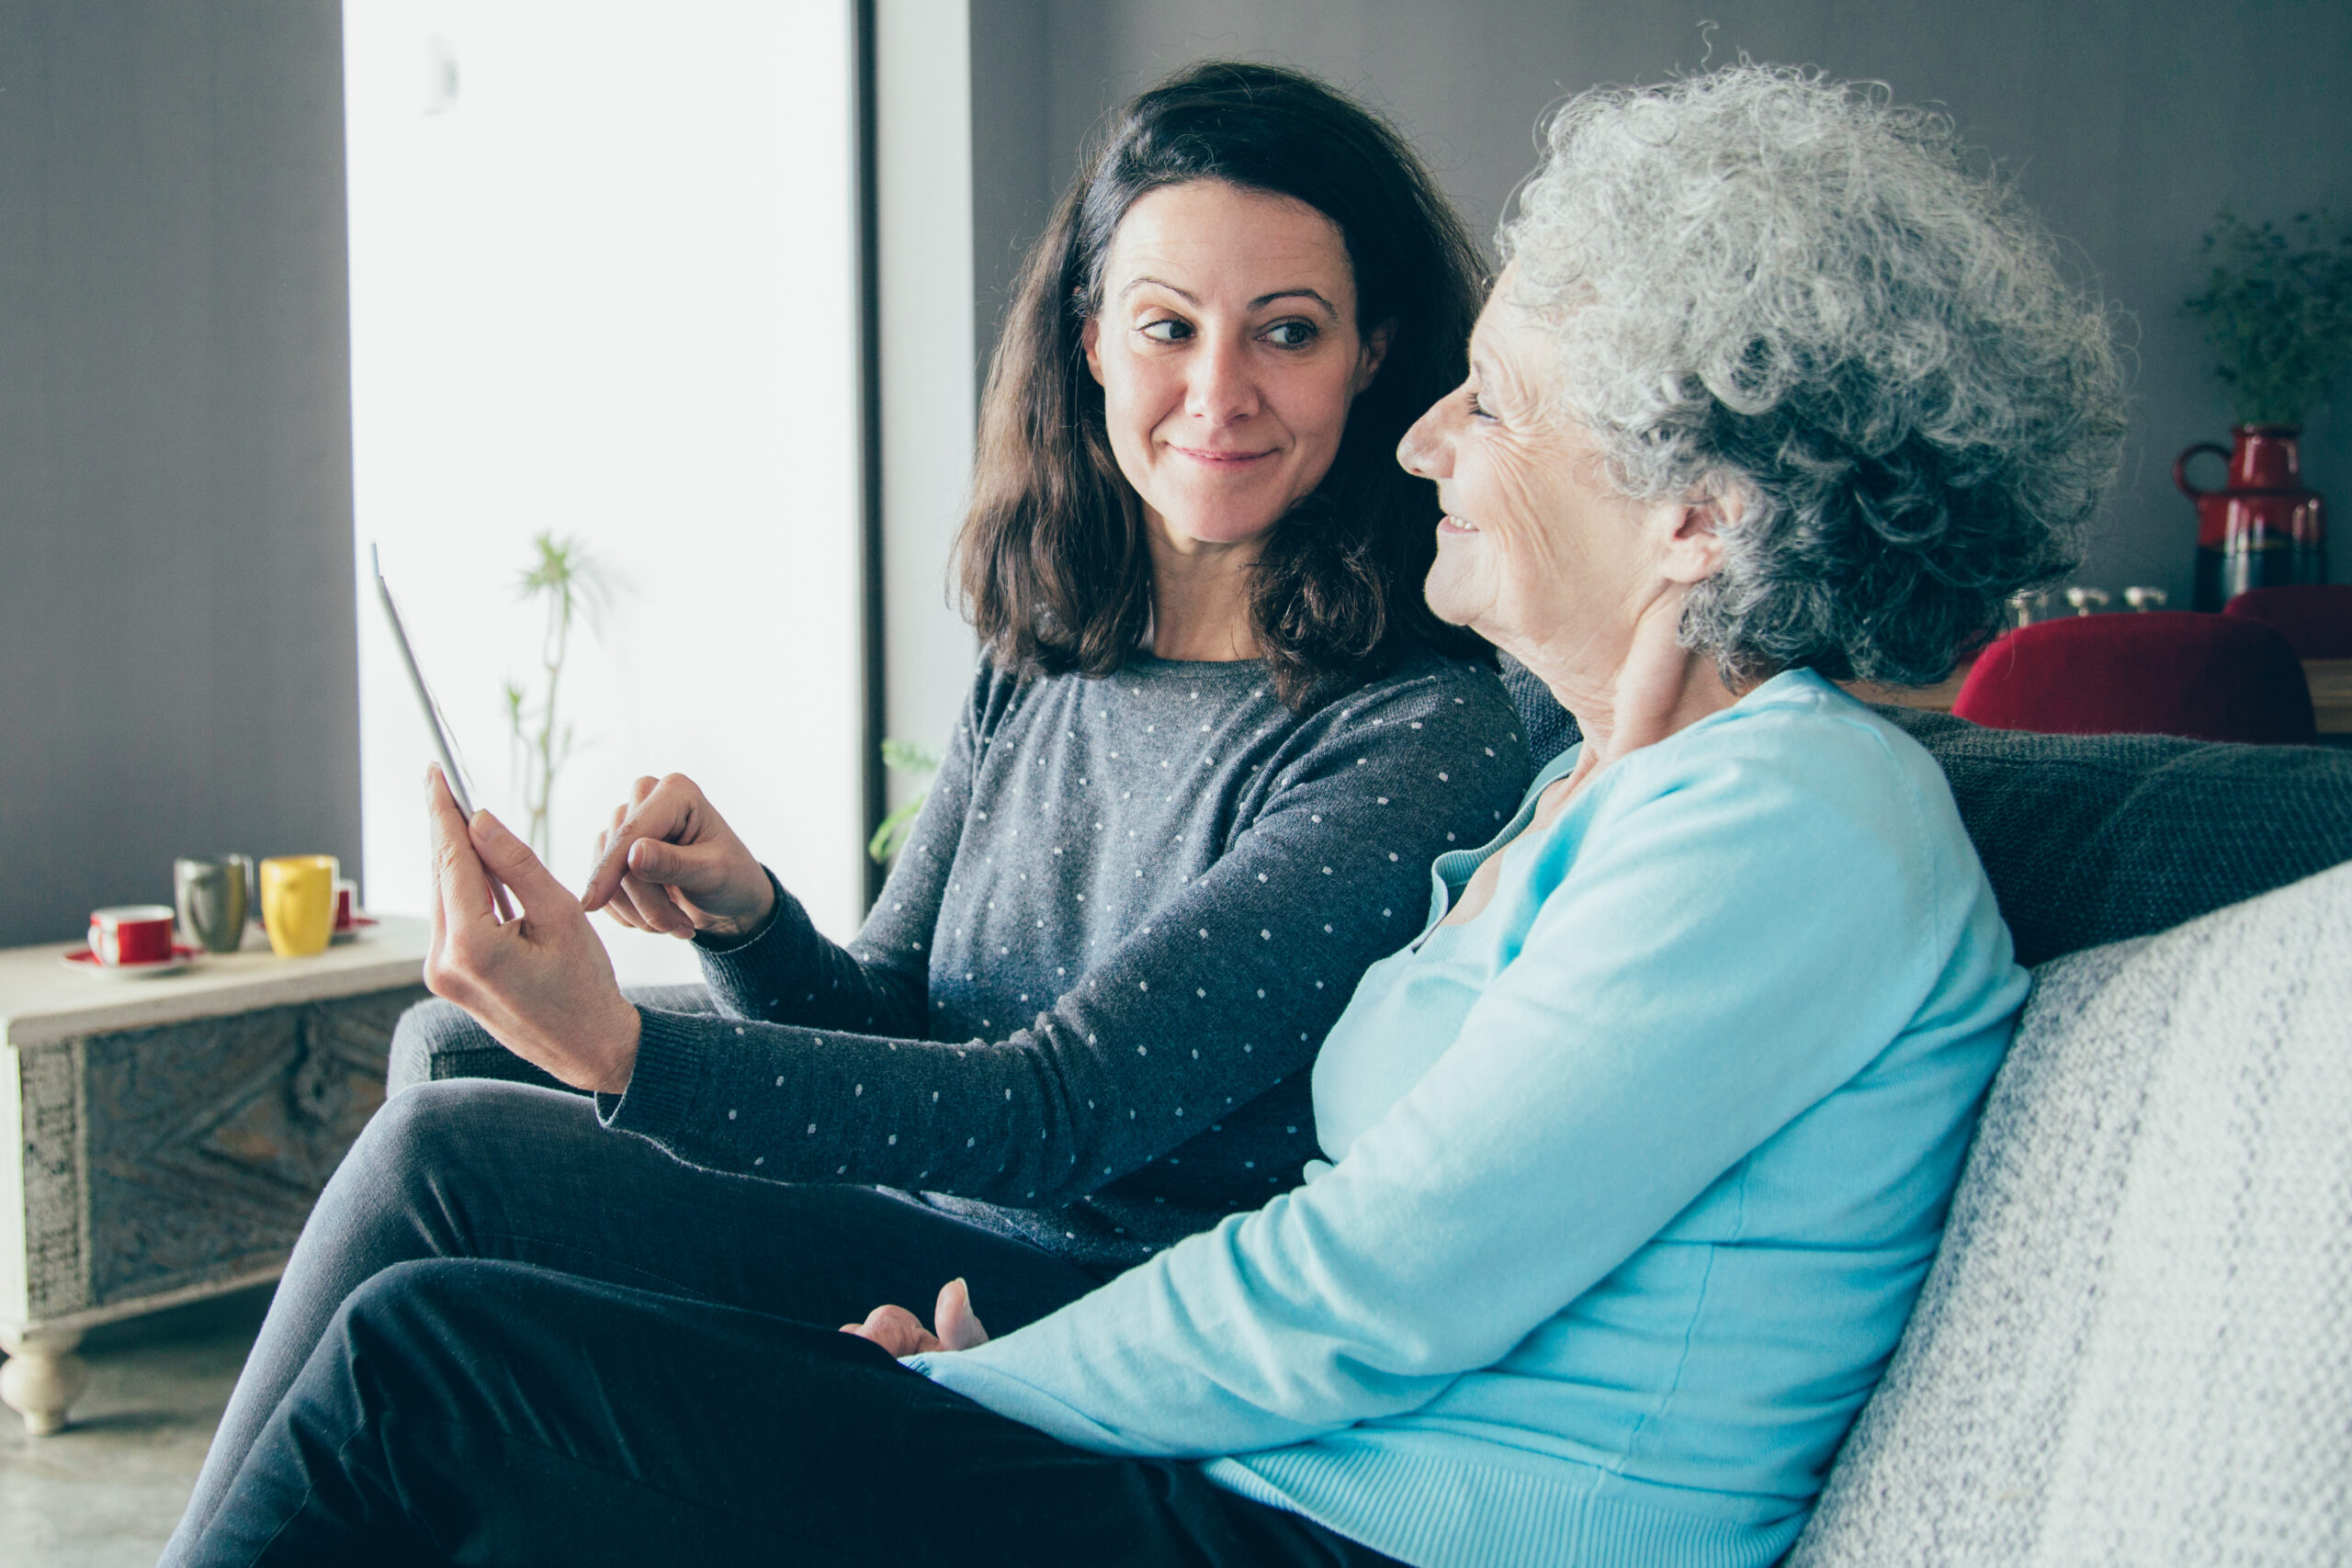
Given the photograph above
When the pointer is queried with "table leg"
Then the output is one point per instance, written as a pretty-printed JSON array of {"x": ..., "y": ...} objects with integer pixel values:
[{"x": 42, "y": 1376}]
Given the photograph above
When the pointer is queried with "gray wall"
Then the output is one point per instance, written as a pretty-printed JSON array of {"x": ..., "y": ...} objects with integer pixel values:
[
  {"x": 1029, "y": 113},
  {"x": 177, "y": 653},
  {"x": 2129, "y": 123}
]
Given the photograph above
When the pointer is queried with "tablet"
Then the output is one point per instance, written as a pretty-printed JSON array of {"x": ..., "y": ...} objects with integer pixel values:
[{"x": 442, "y": 741}]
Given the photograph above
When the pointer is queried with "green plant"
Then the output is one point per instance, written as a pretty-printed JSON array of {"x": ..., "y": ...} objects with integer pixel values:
[
  {"x": 564, "y": 578},
  {"x": 901, "y": 757},
  {"x": 2278, "y": 313}
]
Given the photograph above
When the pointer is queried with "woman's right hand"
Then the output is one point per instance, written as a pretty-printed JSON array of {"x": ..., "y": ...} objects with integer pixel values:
[{"x": 670, "y": 863}]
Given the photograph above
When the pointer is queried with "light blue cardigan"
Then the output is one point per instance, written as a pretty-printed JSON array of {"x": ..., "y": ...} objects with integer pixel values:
[{"x": 1635, "y": 1175}]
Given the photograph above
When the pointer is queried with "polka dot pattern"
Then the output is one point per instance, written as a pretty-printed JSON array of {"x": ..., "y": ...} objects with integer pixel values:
[{"x": 1084, "y": 1009}]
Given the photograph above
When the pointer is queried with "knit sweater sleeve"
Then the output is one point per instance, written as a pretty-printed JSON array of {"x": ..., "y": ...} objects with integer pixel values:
[
  {"x": 792, "y": 973},
  {"x": 1226, "y": 987},
  {"x": 1665, "y": 1016}
]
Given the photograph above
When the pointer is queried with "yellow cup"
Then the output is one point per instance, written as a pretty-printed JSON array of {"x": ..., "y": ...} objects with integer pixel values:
[{"x": 298, "y": 903}]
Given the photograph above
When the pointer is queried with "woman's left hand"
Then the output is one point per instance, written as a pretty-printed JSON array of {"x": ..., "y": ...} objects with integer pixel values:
[
  {"x": 902, "y": 1333},
  {"x": 541, "y": 984}
]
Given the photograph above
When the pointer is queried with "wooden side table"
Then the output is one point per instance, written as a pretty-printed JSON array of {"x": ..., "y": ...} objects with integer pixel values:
[
  {"x": 2331, "y": 681},
  {"x": 162, "y": 1140}
]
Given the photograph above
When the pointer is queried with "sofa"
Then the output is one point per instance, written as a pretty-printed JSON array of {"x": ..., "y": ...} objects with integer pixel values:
[{"x": 2135, "y": 1344}]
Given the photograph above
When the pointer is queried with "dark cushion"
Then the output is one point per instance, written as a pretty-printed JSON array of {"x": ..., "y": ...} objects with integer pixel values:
[{"x": 2091, "y": 839}]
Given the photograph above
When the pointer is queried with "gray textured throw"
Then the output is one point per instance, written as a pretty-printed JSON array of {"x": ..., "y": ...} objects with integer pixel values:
[{"x": 2134, "y": 1347}]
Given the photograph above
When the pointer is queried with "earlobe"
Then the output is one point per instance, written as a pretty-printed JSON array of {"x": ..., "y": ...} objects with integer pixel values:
[
  {"x": 1696, "y": 545},
  {"x": 1090, "y": 337},
  {"x": 1376, "y": 349}
]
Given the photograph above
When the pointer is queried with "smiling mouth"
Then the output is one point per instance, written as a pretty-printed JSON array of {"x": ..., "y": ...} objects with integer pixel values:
[
  {"x": 1449, "y": 523},
  {"x": 1221, "y": 459}
]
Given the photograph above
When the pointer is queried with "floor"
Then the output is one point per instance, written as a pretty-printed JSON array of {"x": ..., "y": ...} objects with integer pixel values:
[{"x": 105, "y": 1491}]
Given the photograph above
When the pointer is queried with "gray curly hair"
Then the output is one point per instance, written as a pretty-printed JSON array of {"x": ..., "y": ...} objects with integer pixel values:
[{"x": 1766, "y": 284}]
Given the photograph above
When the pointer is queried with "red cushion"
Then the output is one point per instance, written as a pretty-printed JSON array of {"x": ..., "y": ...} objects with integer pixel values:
[
  {"x": 2163, "y": 673},
  {"x": 2316, "y": 617}
]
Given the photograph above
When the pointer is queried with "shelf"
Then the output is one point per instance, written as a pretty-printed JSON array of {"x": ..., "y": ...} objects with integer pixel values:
[{"x": 42, "y": 1002}]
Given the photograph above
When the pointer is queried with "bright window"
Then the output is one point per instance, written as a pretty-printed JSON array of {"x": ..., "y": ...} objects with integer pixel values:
[{"x": 603, "y": 285}]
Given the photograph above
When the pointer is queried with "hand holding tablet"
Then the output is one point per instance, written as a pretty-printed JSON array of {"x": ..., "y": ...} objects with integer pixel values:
[
  {"x": 451, "y": 769},
  {"x": 453, "y": 772}
]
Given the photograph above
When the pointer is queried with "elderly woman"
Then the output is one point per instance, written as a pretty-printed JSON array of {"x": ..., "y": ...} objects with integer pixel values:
[{"x": 1637, "y": 1154}]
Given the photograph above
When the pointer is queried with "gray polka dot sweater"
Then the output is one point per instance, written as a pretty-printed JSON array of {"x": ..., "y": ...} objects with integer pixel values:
[{"x": 1083, "y": 1009}]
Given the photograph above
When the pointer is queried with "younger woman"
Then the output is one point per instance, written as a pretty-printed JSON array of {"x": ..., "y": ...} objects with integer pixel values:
[{"x": 1214, "y": 740}]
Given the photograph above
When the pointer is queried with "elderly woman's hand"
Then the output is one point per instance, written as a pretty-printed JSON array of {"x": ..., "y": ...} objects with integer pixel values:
[
  {"x": 902, "y": 1333},
  {"x": 541, "y": 984}
]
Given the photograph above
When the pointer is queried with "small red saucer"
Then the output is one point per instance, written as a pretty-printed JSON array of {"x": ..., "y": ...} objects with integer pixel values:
[
  {"x": 351, "y": 933},
  {"x": 87, "y": 963}
]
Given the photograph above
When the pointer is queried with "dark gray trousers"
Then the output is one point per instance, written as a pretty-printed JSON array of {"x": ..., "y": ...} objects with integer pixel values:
[
  {"x": 508, "y": 1334},
  {"x": 463, "y": 1411},
  {"x": 468, "y": 1167}
]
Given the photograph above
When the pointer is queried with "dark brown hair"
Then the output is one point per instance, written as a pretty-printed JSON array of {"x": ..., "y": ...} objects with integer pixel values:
[{"x": 1053, "y": 562}]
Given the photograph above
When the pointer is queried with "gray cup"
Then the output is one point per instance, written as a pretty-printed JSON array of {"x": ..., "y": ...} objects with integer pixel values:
[{"x": 209, "y": 891}]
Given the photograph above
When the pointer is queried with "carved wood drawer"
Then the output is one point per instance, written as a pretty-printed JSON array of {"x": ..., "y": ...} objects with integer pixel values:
[{"x": 159, "y": 1160}]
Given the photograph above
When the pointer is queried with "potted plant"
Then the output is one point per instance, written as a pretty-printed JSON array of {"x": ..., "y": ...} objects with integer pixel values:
[
  {"x": 569, "y": 583},
  {"x": 2277, "y": 314}
]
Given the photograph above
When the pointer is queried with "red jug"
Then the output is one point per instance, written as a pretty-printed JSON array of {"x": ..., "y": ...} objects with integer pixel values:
[{"x": 2261, "y": 529}]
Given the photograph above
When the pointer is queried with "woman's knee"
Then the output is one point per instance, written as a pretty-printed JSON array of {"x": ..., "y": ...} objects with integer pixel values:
[
  {"x": 438, "y": 1039},
  {"x": 400, "y": 1189},
  {"x": 455, "y": 1122},
  {"x": 420, "y": 1327},
  {"x": 425, "y": 1301},
  {"x": 416, "y": 1129},
  {"x": 463, "y": 1322},
  {"x": 435, "y": 1166},
  {"x": 432, "y": 1029},
  {"x": 426, "y": 1148}
]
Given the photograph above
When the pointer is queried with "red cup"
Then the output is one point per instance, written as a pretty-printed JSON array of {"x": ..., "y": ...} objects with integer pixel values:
[
  {"x": 132, "y": 933},
  {"x": 346, "y": 900}
]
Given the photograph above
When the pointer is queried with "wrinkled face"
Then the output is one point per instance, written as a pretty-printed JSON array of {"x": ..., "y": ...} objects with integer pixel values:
[
  {"x": 1537, "y": 550},
  {"x": 1229, "y": 355}
]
